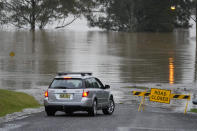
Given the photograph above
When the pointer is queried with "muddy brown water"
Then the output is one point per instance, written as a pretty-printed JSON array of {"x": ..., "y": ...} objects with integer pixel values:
[
  {"x": 115, "y": 57},
  {"x": 166, "y": 60}
]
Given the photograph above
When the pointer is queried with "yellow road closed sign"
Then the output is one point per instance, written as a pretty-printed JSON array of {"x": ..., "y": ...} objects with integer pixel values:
[{"x": 159, "y": 95}]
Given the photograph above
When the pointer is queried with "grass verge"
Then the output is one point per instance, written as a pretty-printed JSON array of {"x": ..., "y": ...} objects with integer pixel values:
[
  {"x": 11, "y": 101},
  {"x": 136, "y": 87},
  {"x": 193, "y": 110}
]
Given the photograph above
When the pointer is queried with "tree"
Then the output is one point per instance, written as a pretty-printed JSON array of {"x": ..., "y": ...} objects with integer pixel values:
[
  {"x": 1, "y": 12},
  {"x": 194, "y": 8},
  {"x": 75, "y": 7},
  {"x": 183, "y": 13},
  {"x": 38, "y": 13},
  {"x": 154, "y": 16},
  {"x": 1, "y": 7},
  {"x": 140, "y": 15}
]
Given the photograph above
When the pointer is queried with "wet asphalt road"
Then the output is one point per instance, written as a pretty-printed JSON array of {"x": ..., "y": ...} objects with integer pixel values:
[{"x": 125, "y": 118}]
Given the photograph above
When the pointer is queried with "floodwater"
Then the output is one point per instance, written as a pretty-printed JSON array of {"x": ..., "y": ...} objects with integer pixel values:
[
  {"x": 164, "y": 60},
  {"x": 154, "y": 60},
  {"x": 115, "y": 57}
]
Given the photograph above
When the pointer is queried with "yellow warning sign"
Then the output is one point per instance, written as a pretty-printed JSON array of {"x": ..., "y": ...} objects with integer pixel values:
[
  {"x": 159, "y": 95},
  {"x": 12, "y": 54}
]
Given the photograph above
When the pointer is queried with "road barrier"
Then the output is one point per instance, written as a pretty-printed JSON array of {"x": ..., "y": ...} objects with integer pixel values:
[
  {"x": 139, "y": 93},
  {"x": 161, "y": 96},
  {"x": 175, "y": 96},
  {"x": 178, "y": 96}
]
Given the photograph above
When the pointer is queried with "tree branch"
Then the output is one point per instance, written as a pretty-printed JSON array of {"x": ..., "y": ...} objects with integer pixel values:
[
  {"x": 67, "y": 23},
  {"x": 192, "y": 18}
]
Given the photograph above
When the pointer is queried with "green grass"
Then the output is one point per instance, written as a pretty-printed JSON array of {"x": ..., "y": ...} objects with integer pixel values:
[
  {"x": 193, "y": 110},
  {"x": 11, "y": 101},
  {"x": 136, "y": 87}
]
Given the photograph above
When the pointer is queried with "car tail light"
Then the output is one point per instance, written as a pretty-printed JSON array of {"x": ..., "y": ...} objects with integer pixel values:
[
  {"x": 46, "y": 94},
  {"x": 85, "y": 93}
]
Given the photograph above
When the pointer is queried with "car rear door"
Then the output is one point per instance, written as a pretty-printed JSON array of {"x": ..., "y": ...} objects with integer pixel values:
[
  {"x": 94, "y": 91},
  {"x": 103, "y": 95},
  {"x": 60, "y": 92},
  {"x": 104, "y": 92},
  {"x": 65, "y": 95}
]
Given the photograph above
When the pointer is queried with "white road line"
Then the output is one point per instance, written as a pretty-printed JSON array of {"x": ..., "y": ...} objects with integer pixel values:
[{"x": 152, "y": 129}]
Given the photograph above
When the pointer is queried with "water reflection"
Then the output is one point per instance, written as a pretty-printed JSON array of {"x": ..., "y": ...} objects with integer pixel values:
[
  {"x": 115, "y": 57},
  {"x": 171, "y": 71}
]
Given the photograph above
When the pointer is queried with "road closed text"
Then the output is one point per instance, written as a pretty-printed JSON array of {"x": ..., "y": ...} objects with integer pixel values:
[{"x": 159, "y": 95}]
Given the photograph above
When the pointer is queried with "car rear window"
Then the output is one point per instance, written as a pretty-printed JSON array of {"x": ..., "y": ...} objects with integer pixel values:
[{"x": 66, "y": 84}]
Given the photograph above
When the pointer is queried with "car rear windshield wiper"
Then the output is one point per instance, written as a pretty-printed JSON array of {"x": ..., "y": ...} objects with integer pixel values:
[{"x": 60, "y": 87}]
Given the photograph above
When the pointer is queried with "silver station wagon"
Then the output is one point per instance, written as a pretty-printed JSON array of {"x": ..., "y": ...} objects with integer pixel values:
[{"x": 70, "y": 92}]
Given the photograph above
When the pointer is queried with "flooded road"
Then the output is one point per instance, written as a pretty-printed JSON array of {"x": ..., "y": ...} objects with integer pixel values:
[
  {"x": 117, "y": 58},
  {"x": 153, "y": 60}
]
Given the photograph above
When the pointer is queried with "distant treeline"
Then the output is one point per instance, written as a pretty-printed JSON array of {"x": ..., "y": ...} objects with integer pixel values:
[{"x": 116, "y": 15}]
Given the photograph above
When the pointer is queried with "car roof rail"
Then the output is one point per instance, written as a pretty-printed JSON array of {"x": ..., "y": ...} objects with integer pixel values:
[{"x": 70, "y": 73}]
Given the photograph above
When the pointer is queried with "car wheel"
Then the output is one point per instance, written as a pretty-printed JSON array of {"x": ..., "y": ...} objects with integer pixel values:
[
  {"x": 93, "y": 110},
  {"x": 49, "y": 112},
  {"x": 69, "y": 113},
  {"x": 110, "y": 109}
]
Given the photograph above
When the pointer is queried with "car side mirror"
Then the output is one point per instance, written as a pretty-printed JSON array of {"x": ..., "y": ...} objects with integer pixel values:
[{"x": 107, "y": 86}]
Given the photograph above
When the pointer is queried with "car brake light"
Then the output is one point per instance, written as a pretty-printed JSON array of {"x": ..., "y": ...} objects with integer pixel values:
[
  {"x": 46, "y": 94},
  {"x": 85, "y": 93},
  {"x": 67, "y": 77}
]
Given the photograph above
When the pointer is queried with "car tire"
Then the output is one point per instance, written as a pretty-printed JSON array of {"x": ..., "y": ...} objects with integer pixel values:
[
  {"x": 49, "y": 112},
  {"x": 93, "y": 110},
  {"x": 69, "y": 113},
  {"x": 110, "y": 109},
  {"x": 194, "y": 102}
]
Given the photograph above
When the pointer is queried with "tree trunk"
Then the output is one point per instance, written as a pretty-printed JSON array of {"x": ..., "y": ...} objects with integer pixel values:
[
  {"x": 33, "y": 13},
  {"x": 33, "y": 26}
]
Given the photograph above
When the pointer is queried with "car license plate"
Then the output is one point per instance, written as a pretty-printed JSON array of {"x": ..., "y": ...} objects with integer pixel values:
[{"x": 68, "y": 96}]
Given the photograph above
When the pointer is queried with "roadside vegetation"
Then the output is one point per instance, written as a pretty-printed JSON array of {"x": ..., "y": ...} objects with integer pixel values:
[
  {"x": 193, "y": 110},
  {"x": 142, "y": 15},
  {"x": 116, "y": 15},
  {"x": 11, "y": 101}
]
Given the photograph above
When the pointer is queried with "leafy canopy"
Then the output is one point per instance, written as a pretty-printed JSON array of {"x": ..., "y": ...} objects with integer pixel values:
[
  {"x": 39, "y": 13},
  {"x": 141, "y": 15}
]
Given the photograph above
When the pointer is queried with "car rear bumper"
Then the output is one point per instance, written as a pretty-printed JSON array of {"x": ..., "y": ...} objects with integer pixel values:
[
  {"x": 67, "y": 108},
  {"x": 84, "y": 105}
]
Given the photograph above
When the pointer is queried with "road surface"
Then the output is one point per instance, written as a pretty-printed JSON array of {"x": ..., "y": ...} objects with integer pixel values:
[{"x": 125, "y": 118}]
